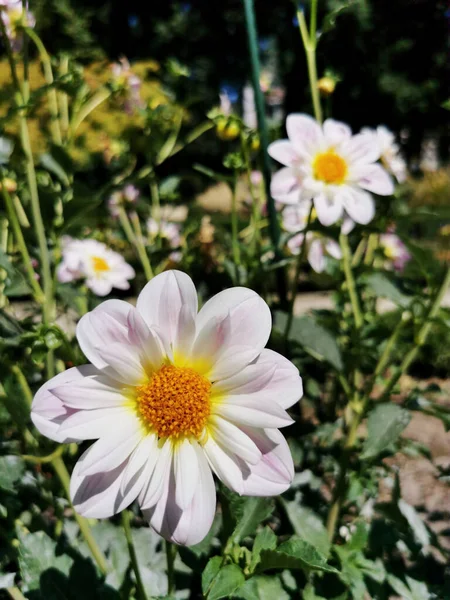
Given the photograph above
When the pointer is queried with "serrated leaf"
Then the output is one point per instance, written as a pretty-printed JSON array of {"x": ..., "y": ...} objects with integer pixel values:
[
  {"x": 418, "y": 527},
  {"x": 211, "y": 570},
  {"x": 384, "y": 288},
  {"x": 11, "y": 469},
  {"x": 221, "y": 582},
  {"x": 308, "y": 526},
  {"x": 384, "y": 426},
  {"x": 265, "y": 540},
  {"x": 253, "y": 512},
  {"x": 294, "y": 554},
  {"x": 316, "y": 340},
  {"x": 262, "y": 587}
]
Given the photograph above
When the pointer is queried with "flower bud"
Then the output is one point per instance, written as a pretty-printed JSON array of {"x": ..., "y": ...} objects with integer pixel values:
[{"x": 326, "y": 86}]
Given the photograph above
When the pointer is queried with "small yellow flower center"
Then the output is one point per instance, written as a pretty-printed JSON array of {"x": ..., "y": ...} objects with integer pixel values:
[
  {"x": 330, "y": 167},
  {"x": 175, "y": 402},
  {"x": 99, "y": 264}
]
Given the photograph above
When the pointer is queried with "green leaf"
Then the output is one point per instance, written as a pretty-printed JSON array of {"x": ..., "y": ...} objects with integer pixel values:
[
  {"x": 48, "y": 162},
  {"x": 9, "y": 327},
  {"x": 310, "y": 594},
  {"x": 418, "y": 588},
  {"x": 418, "y": 527},
  {"x": 262, "y": 587},
  {"x": 316, "y": 340},
  {"x": 252, "y": 512},
  {"x": 308, "y": 526},
  {"x": 5, "y": 263},
  {"x": 221, "y": 582},
  {"x": 294, "y": 554},
  {"x": 11, "y": 469},
  {"x": 400, "y": 588},
  {"x": 329, "y": 22},
  {"x": 265, "y": 540},
  {"x": 384, "y": 288},
  {"x": 384, "y": 425},
  {"x": 37, "y": 553}
]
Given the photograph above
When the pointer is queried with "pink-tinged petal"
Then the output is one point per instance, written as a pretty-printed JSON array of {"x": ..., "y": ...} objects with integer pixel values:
[
  {"x": 124, "y": 363},
  {"x": 101, "y": 287},
  {"x": 161, "y": 300},
  {"x": 285, "y": 186},
  {"x": 361, "y": 149},
  {"x": 93, "y": 424},
  {"x": 151, "y": 350},
  {"x": 93, "y": 391},
  {"x": 375, "y": 179},
  {"x": 101, "y": 327},
  {"x": 185, "y": 333},
  {"x": 186, "y": 471},
  {"x": 329, "y": 210},
  {"x": 336, "y": 132},
  {"x": 240, "y": 322},
  {"x": 359, "y": 205},
  {"x": 316, "y": 256},
  {"x": 333, "y": 249},
  {"x": 274, "y": 473},
  {"x": 283, "y": 151},
  {"x": 113, "y": 448},
  {"x": 138, "y": 471},
  {"x": 189, "y": 526},
  {"x": 305, "y": 134},
  {"x": 96, "y": 496},
  {"x": 253, "y": 410},
  {"x": 152, "y": 492},
  {"x": 228, "y": 468},
  {"x": 232, "y": 438},
  {"x": 285, "y": 387},
  {"x": 48, "y": 412},
  {"x": 253, "y": 378},
  {"x": 347, "y": 225}
]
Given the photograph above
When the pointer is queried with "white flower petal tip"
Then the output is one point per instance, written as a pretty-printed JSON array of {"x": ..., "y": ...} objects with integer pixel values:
[
  {"x": 173, "y": 396},
  {"x": 328, "y": 164}
]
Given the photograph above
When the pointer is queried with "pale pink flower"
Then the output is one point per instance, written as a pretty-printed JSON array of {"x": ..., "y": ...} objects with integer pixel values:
[
  {"x": 172, "y": 396},
  {"x": 332, "y": 167},
  {"x": 129, "y": 83},
  {"x": 390, "y": 155},
  {"x": 102, "y": 268},
  {"x": 167, "y": 231},
  {"x": 126, "y": 196},
  {"x": 394, "y": 250},
  {"x": 14, "y": 17}
]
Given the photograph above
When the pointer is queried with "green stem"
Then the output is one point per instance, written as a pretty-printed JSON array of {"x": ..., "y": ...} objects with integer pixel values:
[
  {"x": 371, "y": 247},
  {"x": 255, "y": 204},
  {"x": 420, "y": 339},
  {"x": 234, "y": 224},
  {"x": 192, "y": 136},
  {"x": 15, "y": 593},
  {"x": 22, "y": 381},
  {"x": 4, "y": 247},
  {"x": 49, "y": 80},
  {"x": 359, "y": 253},
  {"x": 140, "y": 247},
  {"x": 309, "y": 40},
  {"x": 126, "y": 516},
  {"x": 63, "y": 98},
  {"x": 274, "y": 226},
  {"x": 63, "y": 475},
  {"x": 347, "y": 262},
  {"x": 298, "y": 266},
  {"x": 100, "y": 96},
  {"x": 171, "y": 551},
  {"x": 156, "y": 203},
  {"x": 26, "y": 259}
]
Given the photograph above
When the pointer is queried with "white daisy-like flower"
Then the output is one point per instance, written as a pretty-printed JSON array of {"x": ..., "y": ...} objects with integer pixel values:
[
  {"x": 102, "y": 268},
  {"x": 168, "y": 231},
  {"x": 173, "y": 396},
  {"x": 332, "y": 167},
  {"x": 390, "y": 155},
  {"x": 318, "y": 246}
]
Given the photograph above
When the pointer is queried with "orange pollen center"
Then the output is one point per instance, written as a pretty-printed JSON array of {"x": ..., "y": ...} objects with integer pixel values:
[
  {"x": 175, "y": 402},
  {"x": 99, "y": 264},
  {"x": 330, "y": 167}
]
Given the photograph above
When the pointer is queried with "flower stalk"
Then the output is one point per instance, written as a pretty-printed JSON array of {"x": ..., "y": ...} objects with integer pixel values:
[
  {"x": 126, "y": 518},
  {"x": 171, "y": 552},
  {"x": 309, "y": 39}
]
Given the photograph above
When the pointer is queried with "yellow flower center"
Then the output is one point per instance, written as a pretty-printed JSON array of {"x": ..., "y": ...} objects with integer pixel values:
[
  {"x": 330, "y": 167},
  {"x": 99, "y": 264},
  {"x": 175, "y": 402}
]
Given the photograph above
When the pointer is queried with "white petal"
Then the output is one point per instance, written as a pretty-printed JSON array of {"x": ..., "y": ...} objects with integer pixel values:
[
  {"x": 253, "y": 378},
  {"x": 93, "y": 424},
  {"x": 347, "y": 225},
  {"x": 161, "y": 300},
  {"x": 253, "y": 410},
  {"x": 232, "y": 438},
  {"x": 140, "y": 336},
  {"x": 124, "y": 363},
  {"x": 225, "y": 465},
  {"x": 240, "y": 322},
  {"x": 48, "y": 412},
  {"x": 113, "y": 447},
  {"x": 186, "y": 471},
  {"x": 100, "y": 287},
  {"x": 152, "y": 493},
  {"x": 329, "y": 210},
  {"x": 95, "y": 496},
  {"x": 285, "y": 186},
  {"x": 375, "y": 179},
  {"x": 316, "y": 256},
  {"x": 283, "y": 151},
  {"x": 333, "y": 249},
  {"x": 336, "y": 132},
  {"x": 185, "y": 333},
  {"x": 95, "y": 391},
  {"x": 359, "y": 204},
  {"x": 361, "y": 149},
  {"x": 285, "y": 385},
  {"x": 305, "y": 134}
]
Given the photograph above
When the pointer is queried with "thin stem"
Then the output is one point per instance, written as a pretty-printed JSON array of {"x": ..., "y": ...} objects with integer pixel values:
[
  {"x": 64, "y": 477},
  {"x": 17, "y": 231},
  {"x": 100, "y": 96},
  {"x": 171, "y": 551},
  {"x": 192, "y": 136},
  {"x": 126, "y": 516},
  {"x": 3, "y": 272},
  {"x": 359, "y": 253},
  {"x": 420, "y": 339},
  {"x": 63, "y": 98},
  {"x": 371, "y": 247},
  {"x": 347, "y": 262},
  {"x": 310, "y": 43},
  {"x": 255, "y": 204},
  {"x": 156, "y": 203},
  {"x": 22, "y": 381},
  {"x": 49, "y": 80},
  {"x": 140, "y": 247},
  {"x": 15, "y": 593},
  {"x": 234, "y": 224}
]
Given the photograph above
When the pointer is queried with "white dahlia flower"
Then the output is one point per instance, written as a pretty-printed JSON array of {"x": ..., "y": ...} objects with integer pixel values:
[
  {"x": 332, "y": 167},
  {"x": 173, "y": 396}
]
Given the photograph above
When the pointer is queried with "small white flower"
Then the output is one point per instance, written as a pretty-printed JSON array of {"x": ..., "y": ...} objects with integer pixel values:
[
  {"x": 394, "y": 250},
  {"x": 389, "y": 152},
  {"x": 167, "y": 231},
  {"x": 102, "y": 268},
  {"x": 328, "y": 165},
  {"x": 126, "y": 196},
  {"x": 173, "y": 396},
  {"x": 295, "y": 219}
]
